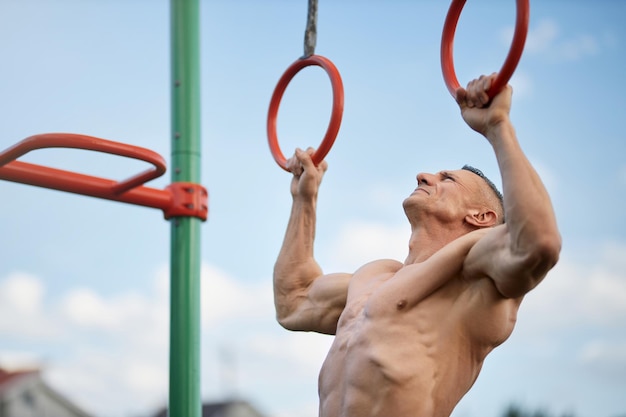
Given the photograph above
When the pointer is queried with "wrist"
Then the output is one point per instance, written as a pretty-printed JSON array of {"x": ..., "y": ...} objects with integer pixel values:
[
  {"x": 304, "y": 198},
  {"x": 499, "y": 129}
]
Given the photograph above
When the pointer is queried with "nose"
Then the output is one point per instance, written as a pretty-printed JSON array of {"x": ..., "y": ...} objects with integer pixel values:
[{"x": 424, "y": 178}]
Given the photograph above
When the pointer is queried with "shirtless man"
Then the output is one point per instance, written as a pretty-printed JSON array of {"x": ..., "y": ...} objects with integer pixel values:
[{"x": 410, "y": 338}]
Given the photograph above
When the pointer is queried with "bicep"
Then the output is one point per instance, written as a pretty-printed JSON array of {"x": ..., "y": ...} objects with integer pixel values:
[{"x": 319, "y": 306}]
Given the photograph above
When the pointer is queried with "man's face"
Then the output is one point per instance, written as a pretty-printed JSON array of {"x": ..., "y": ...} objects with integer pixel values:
[{"x": 447, "y": 195}]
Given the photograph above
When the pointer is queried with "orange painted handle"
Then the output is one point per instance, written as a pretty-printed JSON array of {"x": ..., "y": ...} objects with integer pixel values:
[
  {"x": 179, "y": 199},
  {"x": 70, "y": 140},
  {"x": 511, "y": 61},
  {"x": 335, "y": 118}
]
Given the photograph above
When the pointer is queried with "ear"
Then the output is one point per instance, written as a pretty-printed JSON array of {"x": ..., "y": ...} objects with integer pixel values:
[{"x": 482, "y": 218}]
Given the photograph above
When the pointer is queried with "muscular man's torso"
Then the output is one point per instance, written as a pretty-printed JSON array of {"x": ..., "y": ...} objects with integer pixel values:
[{"x": 399, "y": 353}]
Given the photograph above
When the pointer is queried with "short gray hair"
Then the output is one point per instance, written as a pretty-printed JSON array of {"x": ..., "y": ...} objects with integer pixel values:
[{"x": 490, "y": 183}]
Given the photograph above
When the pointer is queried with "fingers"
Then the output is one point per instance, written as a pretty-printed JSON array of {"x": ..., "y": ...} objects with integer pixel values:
[
  {"x": 460, "y": 96},
  {"x": 305, "y": 157},
  {"x": 294, "y": 166},
  {"x": 475, "y": 95},
  {"x": 302, "y": 161}
]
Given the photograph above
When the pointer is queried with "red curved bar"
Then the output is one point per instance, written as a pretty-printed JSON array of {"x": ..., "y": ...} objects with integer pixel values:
[
  {"x": 72, "y": 182},
  {"x": 511, "y": 61},
  {"x": 335, "y": 119},
  {"x": 179, "y": 199},
  {"x": 70, "y": 140}
]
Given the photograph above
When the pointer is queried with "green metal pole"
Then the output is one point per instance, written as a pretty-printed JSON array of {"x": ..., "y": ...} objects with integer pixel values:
[{"x": 184, "y": 394}]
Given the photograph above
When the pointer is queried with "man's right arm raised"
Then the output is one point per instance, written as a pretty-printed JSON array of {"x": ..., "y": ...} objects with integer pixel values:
[{"x": 305, "y": 299}]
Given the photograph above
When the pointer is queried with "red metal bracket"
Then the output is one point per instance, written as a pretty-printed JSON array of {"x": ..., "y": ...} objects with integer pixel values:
[
  {"x": 188, "y": 199},
  {"x": 174, "y": 200}
]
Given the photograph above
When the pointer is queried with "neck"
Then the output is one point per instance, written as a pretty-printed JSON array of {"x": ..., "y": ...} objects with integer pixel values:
[{"x": 426, "y": 240}]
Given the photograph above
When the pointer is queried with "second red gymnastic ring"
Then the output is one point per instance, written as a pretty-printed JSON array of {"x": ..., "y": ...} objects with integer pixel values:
[{"x": 511, "y": 61}]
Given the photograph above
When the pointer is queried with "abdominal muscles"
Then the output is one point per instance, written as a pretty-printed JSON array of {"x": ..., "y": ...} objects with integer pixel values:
[{"x": 394, "y": 367}]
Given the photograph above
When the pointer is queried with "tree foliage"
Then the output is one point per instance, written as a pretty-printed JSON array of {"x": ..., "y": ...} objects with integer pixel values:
[{"x": 515, "y": 410}]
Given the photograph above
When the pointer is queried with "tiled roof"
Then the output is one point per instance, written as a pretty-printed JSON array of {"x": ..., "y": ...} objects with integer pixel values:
[{"x": 7, "y": 376}]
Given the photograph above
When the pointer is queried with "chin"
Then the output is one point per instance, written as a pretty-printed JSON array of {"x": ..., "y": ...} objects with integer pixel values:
[
  {"x": 409, "y": 204},
  {"x": 412, "y": 199}
]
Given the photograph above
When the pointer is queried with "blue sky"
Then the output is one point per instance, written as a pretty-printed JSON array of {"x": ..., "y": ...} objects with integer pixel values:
[{"x": 84, "y": 282}]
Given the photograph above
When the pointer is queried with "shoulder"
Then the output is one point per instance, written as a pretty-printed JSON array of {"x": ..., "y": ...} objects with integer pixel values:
[
  {"x": 373, "y": 274},
  {"x": 380, "y": 265}
]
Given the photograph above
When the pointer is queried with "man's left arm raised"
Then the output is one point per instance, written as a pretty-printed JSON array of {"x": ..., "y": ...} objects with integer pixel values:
[{"x": 518, "y": 254}]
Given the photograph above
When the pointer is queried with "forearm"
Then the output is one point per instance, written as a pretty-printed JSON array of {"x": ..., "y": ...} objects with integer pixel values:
[
  {"x": 529, "y": 215},
  {"x": 295, "y": 268}
]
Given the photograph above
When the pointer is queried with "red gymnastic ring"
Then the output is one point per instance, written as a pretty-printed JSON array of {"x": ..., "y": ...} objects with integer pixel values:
[
  {"x": 335, "y": 118},
  {"x": 512, "y": 59}
]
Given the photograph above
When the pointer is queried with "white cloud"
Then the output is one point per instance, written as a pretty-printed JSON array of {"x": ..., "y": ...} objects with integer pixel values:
[
  {"x": 146, "y": 377},
  {"x": 599, "y": 350},
  {"x": 86, "y": 308},
  {"x": 522, "y": 84},
  {"x": 128, "y": 373},
  {"x": 23, "y": 292},
  {"x": 546, "y": 38},
  {"x": 118, "y": 382},
  {"x": 580, "y": 294},
  {"x": 107, "y": 353},
  {"x": 605, "y": 358},
  {"x": 138, "y": 317},
  {"x": 22, "y": 301},
  {"x": 579, "y": 47},
  {"x": 114, "y": 348},
  {"x": 301, "y": 353},
  {"x": 223, "y": 297},
  {"x": 18, "y": 359},
  {"x": 541, "y": 37},
  {"x": 360, "y": 242}
]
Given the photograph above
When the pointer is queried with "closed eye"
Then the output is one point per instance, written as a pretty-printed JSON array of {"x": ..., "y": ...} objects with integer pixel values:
[{"x": 448, "y": 176}]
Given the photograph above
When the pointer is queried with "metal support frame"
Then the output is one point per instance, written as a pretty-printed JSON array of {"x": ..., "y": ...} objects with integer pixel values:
[
  {"x": 184, "y": 202},
  {"x": 184, "y": 394}
]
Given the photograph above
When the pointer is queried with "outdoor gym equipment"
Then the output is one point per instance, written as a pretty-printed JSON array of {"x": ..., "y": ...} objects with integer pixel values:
[
  {"x": 308, "y": 59},
  {"x": 184, "y": 201},
  {"x": 511, "y": 61},
  {"x": 177, "y": 199}
]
